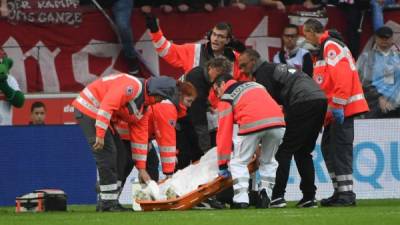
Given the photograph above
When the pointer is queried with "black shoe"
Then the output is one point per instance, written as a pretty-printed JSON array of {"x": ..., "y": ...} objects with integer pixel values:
[
  {"x": 202, "y": 205},
  {"x": 340, "y": 202},
  {"x": 327, "y": 201},
  {"x": 253, "y": 197},
  {"x": 307, "y": 203},
  {"x": 134, "y": 68},
  {"x": 278, "y": 203},
  {"x": 214, "y": 203},
  {"x": 112, "y": 208},
  {"x": 263, "y": 200},
  {"x": 239, "y": 205}
]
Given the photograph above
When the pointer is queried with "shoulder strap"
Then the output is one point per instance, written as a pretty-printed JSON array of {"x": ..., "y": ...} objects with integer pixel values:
[
  {"x": 233, "y": 93},
  {"x": 139, "y": 101},
  {"x": 282, "y": 56},
  {"x": 227, "y": 96}
]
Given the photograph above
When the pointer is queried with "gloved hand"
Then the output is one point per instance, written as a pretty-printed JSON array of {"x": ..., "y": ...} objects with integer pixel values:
[
  {"x": 236, "y": 45},
  {"x": 338, "y": 114},
  {"x": 151, "y": 23},
  {"x": 153, "y": 189},
  {"x": 224, "y": 173}
]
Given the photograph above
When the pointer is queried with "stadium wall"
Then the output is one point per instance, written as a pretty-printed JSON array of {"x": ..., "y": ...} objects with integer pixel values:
[{"x": 34, "y": 157}]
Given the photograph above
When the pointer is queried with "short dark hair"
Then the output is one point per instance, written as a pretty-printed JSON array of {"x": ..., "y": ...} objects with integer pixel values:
[
  {"x": 221, "y": 63},
  {"x": 291, "y": 25},
  {"x": 224, "y": 26},
  {"x": 314, "y": 25},
  {"x": 223, "y": 77},
  {"x": 253, "y": 54},
  {"x": 37, "y": 104}
]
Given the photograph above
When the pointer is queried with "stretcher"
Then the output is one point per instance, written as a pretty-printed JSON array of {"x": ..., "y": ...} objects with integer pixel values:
[{"x": 193, "y": 198}]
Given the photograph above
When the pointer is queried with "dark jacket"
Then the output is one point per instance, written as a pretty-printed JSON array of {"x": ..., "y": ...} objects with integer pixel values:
[
  {"x": 198, "y": 111},
  {"x": 287, "y": 85}
]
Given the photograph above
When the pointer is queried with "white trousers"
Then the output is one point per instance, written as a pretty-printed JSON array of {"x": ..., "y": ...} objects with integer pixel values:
[{"x": 245, "y": 148}]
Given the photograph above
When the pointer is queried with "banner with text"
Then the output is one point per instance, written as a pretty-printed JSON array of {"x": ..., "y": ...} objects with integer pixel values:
[
  {"x": 56, "y": 58},
  {"x": 64, "y": 12}
]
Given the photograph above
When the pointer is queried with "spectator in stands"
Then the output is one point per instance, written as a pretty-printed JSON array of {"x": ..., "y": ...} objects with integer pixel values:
[
  {"x": 166, "y": 6},
  {"x": 4, "y": 11},
  {"x": 377, "y": 7},
  {"x": 291, "y": 54},
  {"x": 241, "y": 4},
  {"x": 146, "y": 6},
  {"x": 187, "y": 5},
  {"x": 181, "y": 5},
  {"x": 282, "y": 5},
  {"x": 352, "y": 14},
  {"x": 122, "y": 10},
  {"x": 10, "y": 93},
  {"x": 379, "y": 69},
  {"x": 38, "y": 113}
]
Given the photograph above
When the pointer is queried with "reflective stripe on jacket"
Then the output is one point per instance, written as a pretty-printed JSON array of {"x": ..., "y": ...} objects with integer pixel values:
[
  {"x": 161, "y": 119},
  {"x": 250, "y": 106},
  {"x": 162, "y": 122},
  {"x": 337, "y": 76},
  {"x": 100, "y": 99},
  {"x": 189, "y": 55}
]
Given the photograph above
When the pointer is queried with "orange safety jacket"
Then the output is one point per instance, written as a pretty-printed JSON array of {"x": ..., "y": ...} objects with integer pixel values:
[
  {"x": 190, "y": 55},
  {"x": 337, "y": 75},
  {"x": 162, "y": 119},
  {"x": 117, "y": 96},
  {"x": 250, "y": 106}
]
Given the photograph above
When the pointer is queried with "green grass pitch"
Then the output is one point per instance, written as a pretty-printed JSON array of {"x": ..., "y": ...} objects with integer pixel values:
[{"x": 374, "y": 212}]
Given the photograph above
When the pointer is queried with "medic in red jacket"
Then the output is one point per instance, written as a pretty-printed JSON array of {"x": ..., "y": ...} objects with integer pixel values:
[
  {"x": 108, "y": 95},
  {"x": 337, "y": 76},
  {"x": 250, "y": 106},
  {"x": 190, "y": 55},
  {"x": 161, "y": 119}
]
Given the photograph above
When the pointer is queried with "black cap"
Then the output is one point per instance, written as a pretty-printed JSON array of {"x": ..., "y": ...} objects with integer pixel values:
[
  {"x": 384, "y": 32},
  {"x": 162, "y": 85}
]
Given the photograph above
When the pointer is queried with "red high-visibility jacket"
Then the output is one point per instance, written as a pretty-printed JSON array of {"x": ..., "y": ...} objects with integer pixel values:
[
  {"x": 162, "y": 119},
  {"x": 337, "y": 76},
  {"x": 108, "y": 97},
  {"x": 187, "y": 56},
  {"x": 250, "y": 106},
  {"x": 134, "y": 129},
  {"x": 100, "y": 99}
]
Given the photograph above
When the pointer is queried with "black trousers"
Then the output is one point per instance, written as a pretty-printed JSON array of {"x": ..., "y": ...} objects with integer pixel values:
[
  {"x": 126, "y": 163},
  {"x": 187, "y": 143},
  {"x": 337, "y": 150},
  {"x": 303, "y": 123},
  {"x": 106, "y": 158}
]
